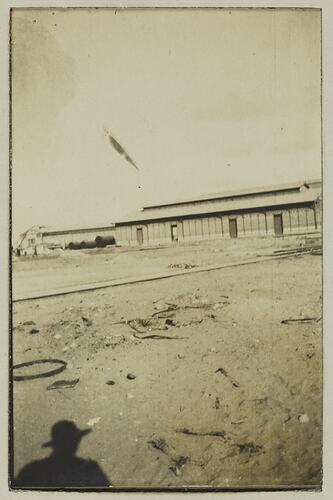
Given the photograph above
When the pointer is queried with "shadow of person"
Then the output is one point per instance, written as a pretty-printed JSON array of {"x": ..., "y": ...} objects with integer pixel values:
[{"x": 62, "y": 468}]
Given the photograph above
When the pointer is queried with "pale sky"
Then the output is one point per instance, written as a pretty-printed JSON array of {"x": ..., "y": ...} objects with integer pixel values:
[{"x": 202, "y": 100}]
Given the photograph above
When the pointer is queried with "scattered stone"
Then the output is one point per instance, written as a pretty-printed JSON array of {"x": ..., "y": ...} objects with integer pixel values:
[
  {"x": 33, "y": 331},
  {"x": 170, "y": 322},
  {"x": 159, "y": 444},
  {"x": 130, "y": 376},
  {"x": 87, "y": 321},
  {"x": 93, "y": 421},
  {"x": 218, "y": 305},
  {"x": 249, "y": 447},
  {"x": 180, "y": 356},
  {"x": 63, "y": 384},
  {"x": 178, "y": 465},
  {"x": 304, "y": 419},
  {"x": 29, "y": 323},
  {"x": 57, "y": 336},
  {"x": 130, "y": 396},
  {"x": 114, "y": 341}
]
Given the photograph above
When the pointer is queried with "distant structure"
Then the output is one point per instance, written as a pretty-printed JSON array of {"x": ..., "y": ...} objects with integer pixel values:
[
  {"x": 268, "y": 211},
  {"x": 40, "y": 240},
  {"x": 288, "y": 209}
]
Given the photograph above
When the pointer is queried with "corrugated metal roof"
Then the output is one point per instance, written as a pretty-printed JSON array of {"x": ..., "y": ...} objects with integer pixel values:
[
  {"x": 306, "y": 196},
  {"x": 69, "y": 229},
  {"x": 231, "y": 194}
]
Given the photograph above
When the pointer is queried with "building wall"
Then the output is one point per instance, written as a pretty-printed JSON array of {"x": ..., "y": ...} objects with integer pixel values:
[
  {"x": 295, "y": 220},
  {"x": 66, "y": 238},
  {"x": 30, "y": 242}
]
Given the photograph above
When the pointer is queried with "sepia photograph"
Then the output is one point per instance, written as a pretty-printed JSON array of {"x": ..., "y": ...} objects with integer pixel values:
[{"x": 166, "y": 249}]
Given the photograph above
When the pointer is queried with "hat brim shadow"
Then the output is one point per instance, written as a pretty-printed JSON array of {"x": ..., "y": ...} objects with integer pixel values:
[{"x": 79, "y": 435}]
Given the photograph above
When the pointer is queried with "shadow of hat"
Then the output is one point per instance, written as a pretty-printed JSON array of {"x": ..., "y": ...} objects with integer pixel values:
[{"x": 63, "y": 431}]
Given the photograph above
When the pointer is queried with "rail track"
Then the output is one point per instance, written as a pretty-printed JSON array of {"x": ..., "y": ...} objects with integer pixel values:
[{"x": 158, "y": 276}]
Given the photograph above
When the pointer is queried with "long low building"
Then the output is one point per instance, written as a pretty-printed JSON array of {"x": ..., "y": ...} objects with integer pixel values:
[
  {"x": 274, "y": 211},
  {"x": 39, "y": 240},
  {"x": 268, "y": 211}
]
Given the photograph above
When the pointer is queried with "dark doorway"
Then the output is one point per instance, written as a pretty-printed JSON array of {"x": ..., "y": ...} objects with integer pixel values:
[
  {"x": 139, "y": 235},
  {"x": 174, "y": 232},
  {"x": 233, "y": 228},
  {"x": 278, "y": 224}
]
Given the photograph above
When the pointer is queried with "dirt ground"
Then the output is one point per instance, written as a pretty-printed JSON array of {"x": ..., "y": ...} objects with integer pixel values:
[
  {"x": 114, "y": 263},
  {"x": 223, "y": 394}
]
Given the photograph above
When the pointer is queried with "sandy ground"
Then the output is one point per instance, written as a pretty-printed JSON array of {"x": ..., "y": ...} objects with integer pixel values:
[
  {"x": 224, "y": 394},
  {"x": 89, "y": 266}
]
